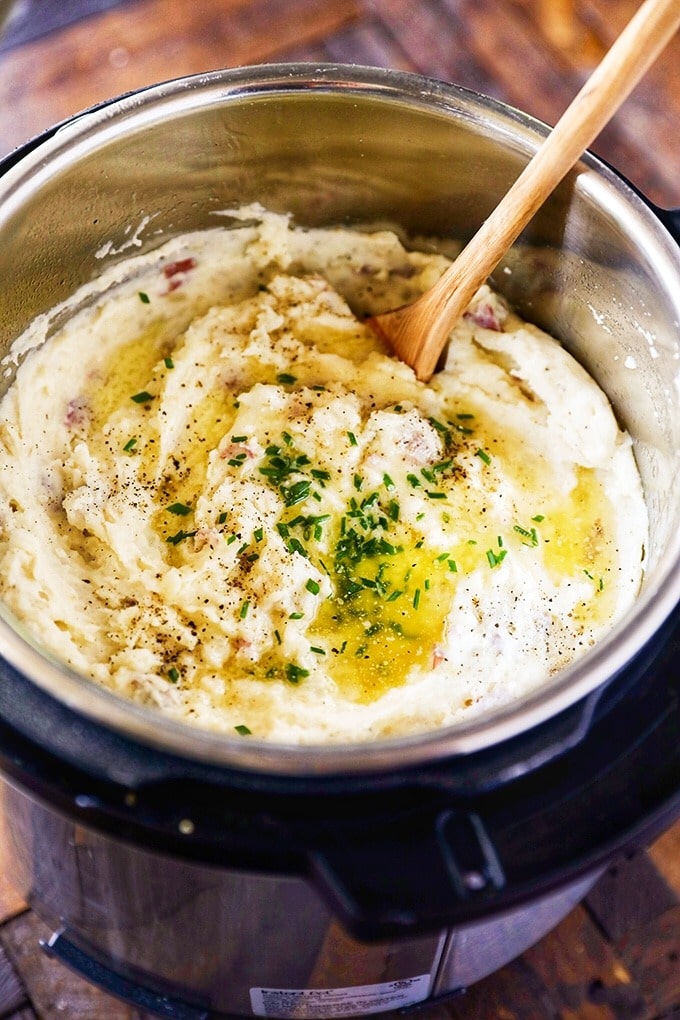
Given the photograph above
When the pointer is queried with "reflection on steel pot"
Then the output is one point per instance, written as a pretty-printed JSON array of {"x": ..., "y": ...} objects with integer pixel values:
[{"x": 483, "y": 834}]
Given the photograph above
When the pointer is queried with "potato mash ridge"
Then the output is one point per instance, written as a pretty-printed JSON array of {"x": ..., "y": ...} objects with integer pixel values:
[{"x": 222, "y": 497}]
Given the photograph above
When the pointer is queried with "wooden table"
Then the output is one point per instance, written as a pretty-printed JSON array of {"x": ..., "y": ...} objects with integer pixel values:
[{"x": 617, "y": 955}]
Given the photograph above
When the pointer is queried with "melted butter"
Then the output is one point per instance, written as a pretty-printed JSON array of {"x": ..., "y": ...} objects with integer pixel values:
[
  {"x": 573, "y": 535},
  {"x": 210, "y": 420},
  {"x": 375, "y": 642},
  {"x": 125, "y": 373},
  {"x": 574, "y": 540}
]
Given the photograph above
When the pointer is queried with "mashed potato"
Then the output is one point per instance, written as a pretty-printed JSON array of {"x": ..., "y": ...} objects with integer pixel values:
[{"x": 220, "y": 496}]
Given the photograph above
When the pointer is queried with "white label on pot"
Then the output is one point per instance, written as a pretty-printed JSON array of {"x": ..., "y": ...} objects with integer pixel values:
[{"x": 338, "y": 1002}]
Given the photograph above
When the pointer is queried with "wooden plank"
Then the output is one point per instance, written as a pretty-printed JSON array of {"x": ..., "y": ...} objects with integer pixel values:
[
  {"x": 12, "y": 994},
  {"x": 54, "y": 992},
  {"x": 435, "y": 42},
  {"x": 584, "y": 977},
  {"x": 11, "y": 901},
  {"x": 513, "y": 993},
  {"x": 665, "y": 853},
  {"x": 146, "y": 42},
  {"x": 630, "y": 894},
  {"x": 506, "y": 41},
  {"x": 651, "y": 953},
  {"x": 368, "y": 42}
]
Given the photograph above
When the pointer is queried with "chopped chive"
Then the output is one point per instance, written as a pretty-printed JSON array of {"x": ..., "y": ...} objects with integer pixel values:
[
  {"x": 416, "y": 598},
  {"x": 316, "y": 650},
  {"x": 278, "y": 637},
  {"x": 173, "y": 675},
  {"x": 142, "y": 398},
  {"x": 438, "y": 425},
  {"x": 169, "y": 363},
  {"x": 444, "y": 556},
  {"x": 352, "y": 439},
  {"x": 313, "y": 586},
  {"x": 393, "y": 510},
  {"x": 144, "y": 297},
  {"x": 258, "y": 534},
  {"x": 286, "y": 379},
  {"x": 295, "y": 673},
  {"x": 464, "y": 417},
  {"x": 296, "y": 493},
  {"x": 243, "y": 612},
  {"x": 240, "y": 439},
  {"x": 538, "y": 518},
  {"x": 435, "y": 495},
  {"x": 414, "y": 481},
  {"x": 453, "y": 567},
  {"x": 296, "y": 616},
  {"x": 222, "y": 518},
  {"x": 387, "y": 482},
  {"x": 179, "y": 509},
  {"x": 243, "y": 730},
  {"x": 358, "y": 482},
  {"x": 232, "y": 538},
  {"x": 179, "y": 537},
  {"x": 394, "y": 596},
  {"x": 427, "y": 584},
  {"x": 530, "y": 536},
  {"x": 483, "y": 455},
  {"x": 130, "y": 445},
  {"x": 495, "y": 558}
]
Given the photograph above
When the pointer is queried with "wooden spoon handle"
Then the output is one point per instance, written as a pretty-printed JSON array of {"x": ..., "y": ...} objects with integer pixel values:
[{"x": 625, "y": 63}]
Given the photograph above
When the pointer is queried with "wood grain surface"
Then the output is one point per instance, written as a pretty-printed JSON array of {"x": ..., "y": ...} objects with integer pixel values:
[{"x": 617, "y": 955}]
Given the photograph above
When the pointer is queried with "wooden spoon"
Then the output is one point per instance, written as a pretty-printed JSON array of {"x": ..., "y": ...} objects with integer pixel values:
[{"x": 419, "y": 332}]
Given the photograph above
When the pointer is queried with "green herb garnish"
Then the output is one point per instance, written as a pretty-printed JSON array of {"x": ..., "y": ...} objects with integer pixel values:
[
  {"x": 295, "y": 673},
  {"x": 180, "y": 509},
  {"x": 179, "y": 537}
]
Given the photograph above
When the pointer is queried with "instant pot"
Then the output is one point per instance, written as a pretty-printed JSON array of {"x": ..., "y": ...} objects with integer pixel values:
[{"x": 199, "y": 875}]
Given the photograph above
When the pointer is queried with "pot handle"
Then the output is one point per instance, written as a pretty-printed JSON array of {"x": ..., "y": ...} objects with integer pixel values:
[{"x": 433, "y": 881}]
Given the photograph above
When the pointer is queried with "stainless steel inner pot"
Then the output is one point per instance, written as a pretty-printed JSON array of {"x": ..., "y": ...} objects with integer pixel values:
[{"x": 336, "y": 144}]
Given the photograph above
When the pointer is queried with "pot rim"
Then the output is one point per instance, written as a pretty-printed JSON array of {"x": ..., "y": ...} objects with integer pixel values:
[{"x": 95, "y": 127}]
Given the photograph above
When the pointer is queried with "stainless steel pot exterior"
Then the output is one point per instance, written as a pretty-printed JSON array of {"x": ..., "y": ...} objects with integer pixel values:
[
  {"x": 354, "y": 145},
  {"x": 147, "y": 924}
]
